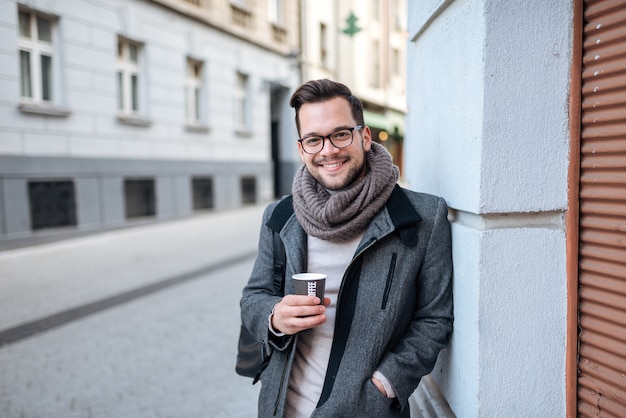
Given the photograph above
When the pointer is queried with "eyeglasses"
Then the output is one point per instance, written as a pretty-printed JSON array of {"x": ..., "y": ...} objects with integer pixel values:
[{"x": 341, "y": 138}]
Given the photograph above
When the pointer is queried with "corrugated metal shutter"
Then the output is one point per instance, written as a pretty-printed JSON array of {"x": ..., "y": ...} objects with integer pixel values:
[{"x": 602, "y": 253}]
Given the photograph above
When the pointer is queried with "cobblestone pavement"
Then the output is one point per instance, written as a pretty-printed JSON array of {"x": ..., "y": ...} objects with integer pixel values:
[{"x": 141, "y": 322}]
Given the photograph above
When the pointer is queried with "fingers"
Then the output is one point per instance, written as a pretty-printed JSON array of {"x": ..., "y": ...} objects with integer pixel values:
[
  {"x": 295, "y": 313},
  {"x": 301, "y": 300},
  {"x": 379, "y": 385}
]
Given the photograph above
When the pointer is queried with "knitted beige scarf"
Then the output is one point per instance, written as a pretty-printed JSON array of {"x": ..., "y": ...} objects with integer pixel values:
[{"x": 339, "y": 216}]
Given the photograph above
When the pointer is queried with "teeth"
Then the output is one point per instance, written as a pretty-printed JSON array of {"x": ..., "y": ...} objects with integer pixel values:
[{"x": 332, "y": 165}]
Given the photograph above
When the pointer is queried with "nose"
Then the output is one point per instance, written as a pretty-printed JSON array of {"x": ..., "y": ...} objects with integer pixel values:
[{"x": 328, "y": 147}]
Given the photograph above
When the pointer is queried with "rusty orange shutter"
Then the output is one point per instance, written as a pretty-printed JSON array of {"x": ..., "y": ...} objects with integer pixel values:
[{"x": 602, "y": 251}]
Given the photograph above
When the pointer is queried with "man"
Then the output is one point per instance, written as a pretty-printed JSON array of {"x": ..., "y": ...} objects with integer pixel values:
[{"x": 386, "y": 251}]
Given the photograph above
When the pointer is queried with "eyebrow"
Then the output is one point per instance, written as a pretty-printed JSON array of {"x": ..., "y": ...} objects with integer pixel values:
[{"x": 338, "y": 128}]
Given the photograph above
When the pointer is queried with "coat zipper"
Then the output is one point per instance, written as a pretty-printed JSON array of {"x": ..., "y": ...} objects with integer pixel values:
[
  {"x": 284, "y": 377},
  {"x": 329, "y": 383}
]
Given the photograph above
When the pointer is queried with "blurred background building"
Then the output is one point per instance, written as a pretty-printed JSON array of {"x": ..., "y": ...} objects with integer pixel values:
[
  {"x": 362, "y": 44},
  {"x": 119, "y": 112}
]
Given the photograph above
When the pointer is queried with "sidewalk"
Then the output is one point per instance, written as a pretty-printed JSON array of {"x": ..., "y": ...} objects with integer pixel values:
[
  {"x": 41, "y": 280},
  {"x": 169, "y": 353}
]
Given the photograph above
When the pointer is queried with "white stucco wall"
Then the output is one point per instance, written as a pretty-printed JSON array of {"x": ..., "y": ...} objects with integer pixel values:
[{"x": 488, "y": 89}]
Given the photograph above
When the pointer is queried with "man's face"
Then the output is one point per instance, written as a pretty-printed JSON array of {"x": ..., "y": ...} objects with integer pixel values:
[{"x": 334, "y": 168}]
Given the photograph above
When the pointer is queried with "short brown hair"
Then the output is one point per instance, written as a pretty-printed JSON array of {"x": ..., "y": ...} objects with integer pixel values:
[{"x": 316, "y": 91}]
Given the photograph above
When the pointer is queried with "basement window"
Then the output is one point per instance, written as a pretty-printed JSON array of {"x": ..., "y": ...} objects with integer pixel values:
[
  {"x": 139, "y": 197},
  {"x": 52, "y": 204}
]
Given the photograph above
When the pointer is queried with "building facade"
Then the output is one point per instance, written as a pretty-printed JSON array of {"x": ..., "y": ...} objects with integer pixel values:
[
  {"x": 117, "y": 112},
  {"x": 362, "y": 44},
  {"x": 517, "y": 119}
]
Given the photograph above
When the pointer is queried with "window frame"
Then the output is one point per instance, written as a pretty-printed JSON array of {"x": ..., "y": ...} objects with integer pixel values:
[
  {"x": 276, "y": 12},
  {"x": 241, "y": 101},
  {"x": 52, "y": 203},
  {"x": 37, "y": 102},
  {"x": 323, "y": 44},
  {"x": 203, "y": 193},
  {"x": 36, "y": 49},
  {"x": 375, "y": 10},
  {"x": 396, "y": 62},
  {"x": 375, "y": 66},
  {"x": 131, "y": 101},
  {"x": 248, "y": 186},
  {"x": 195, "y": 95},
  {"x": 140, "y": 197}
]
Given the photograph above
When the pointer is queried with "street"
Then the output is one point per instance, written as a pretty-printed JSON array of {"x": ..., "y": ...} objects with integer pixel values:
[{"x": 141, "y": 322}]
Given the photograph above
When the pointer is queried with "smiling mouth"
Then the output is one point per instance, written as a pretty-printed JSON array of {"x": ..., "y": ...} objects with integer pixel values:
[{"x": 332, "y": 165}]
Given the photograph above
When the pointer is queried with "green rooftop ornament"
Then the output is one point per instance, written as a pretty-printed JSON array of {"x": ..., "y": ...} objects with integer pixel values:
[{"x": 352, "y": 27}]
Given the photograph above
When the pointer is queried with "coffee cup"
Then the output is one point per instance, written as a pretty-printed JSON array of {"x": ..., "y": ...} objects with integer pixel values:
[{"x": 310, "y": 284}]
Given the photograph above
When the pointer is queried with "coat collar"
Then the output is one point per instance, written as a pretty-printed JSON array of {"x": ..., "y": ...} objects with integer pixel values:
[{"x": 398, "y": 214}]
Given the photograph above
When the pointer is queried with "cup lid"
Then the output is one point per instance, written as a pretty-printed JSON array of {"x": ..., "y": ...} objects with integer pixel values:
[{"x": 308, "y": 276}]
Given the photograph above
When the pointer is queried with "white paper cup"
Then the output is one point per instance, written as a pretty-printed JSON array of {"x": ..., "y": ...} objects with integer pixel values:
[{"x": 310, "y": 284}]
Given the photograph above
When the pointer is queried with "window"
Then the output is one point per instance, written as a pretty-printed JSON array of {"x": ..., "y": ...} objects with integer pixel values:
[
  {"x": 36, "y": 56},
  {"x": 128, "y": 76},
  {"x": 395, "y": 62},
  {"x": 323, "y": 44},
  {"x": 276, "y": 13},
  {"x": 276, "y": 16},
  {"x": 52, "y": 204},
  {"x": 195, "y": 81},
  {"x": 241, "y": 102},
  {"x": 400, "y": 17},
  {"x": 375, "y": 9},
  {"x": 248, "y": 190},
  {"x": 139, "y": 197},
  {"x": 375, "y": 70},
  {"x": 202, "y": 188}
]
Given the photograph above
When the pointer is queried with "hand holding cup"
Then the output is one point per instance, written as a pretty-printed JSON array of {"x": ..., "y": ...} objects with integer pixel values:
[{"x": 303, "y": 310}]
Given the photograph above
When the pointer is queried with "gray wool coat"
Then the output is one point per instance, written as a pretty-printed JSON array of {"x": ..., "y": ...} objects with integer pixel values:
[{"x": 394, "y": 309}]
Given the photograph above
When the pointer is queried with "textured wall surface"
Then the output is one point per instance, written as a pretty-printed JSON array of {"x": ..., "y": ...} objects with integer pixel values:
[{"x": 488, "y": 131}]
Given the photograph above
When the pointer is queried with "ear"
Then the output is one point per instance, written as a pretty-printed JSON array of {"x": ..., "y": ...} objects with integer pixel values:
[
  {"x": 367, "y": 138},
  {"x": 301, "y": 151}
]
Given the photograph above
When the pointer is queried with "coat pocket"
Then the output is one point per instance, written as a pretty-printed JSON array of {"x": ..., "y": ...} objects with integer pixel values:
[
  {"x": 375, "y": 404},
  {"x": 390, "y": 274}
]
